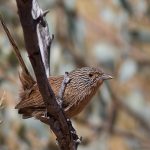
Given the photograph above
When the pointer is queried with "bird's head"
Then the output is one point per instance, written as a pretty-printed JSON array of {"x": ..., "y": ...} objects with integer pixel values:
[
  {"x": 84, "y": 83},
  {"x": 89, "y": 76}
]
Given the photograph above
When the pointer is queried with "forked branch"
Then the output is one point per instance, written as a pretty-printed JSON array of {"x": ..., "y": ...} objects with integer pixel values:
[{"x": 37, "y": 41}]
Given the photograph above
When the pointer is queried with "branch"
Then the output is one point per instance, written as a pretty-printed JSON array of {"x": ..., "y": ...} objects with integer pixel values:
[
  {"x": 27, "y": 80},
  {"x": 15, "y": 48},
  {"x": 59, "y": 99},
  {"x": 33, "y": 22},
  {"x": 62, "y": 89},
  {"x": 48, "y": 120}
]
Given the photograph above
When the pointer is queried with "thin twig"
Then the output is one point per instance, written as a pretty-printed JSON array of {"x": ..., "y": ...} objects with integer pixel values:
[
  {"x": 14, "y": 45},
  {"x": 62, "y": 89},
  {"x": 25, "y": 72}
]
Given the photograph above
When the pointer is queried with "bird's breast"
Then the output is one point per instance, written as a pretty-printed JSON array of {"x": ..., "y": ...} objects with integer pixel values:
[{"x": 77, "y": 101}]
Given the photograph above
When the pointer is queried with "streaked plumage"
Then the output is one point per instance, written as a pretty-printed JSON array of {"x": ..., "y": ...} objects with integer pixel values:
[{"x": 79, "y": 91}]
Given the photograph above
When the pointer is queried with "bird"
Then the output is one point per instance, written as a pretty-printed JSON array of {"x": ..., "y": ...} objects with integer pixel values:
[{"x": 84, "y": 82}]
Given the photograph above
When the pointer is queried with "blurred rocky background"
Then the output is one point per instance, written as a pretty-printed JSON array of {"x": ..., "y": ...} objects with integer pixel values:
[{"x": 113, "y": 34}]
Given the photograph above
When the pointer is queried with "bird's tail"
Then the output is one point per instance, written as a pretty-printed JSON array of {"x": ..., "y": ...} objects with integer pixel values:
[{"x": 25, "y": 76}]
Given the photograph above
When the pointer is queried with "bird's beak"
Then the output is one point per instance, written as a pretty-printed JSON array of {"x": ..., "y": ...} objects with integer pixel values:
[{"x": 106, "y": 77}]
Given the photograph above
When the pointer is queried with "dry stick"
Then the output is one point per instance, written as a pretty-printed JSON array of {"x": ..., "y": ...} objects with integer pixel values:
[
  {"x": 14, "y": 45},
  {"x": 60, "y": 100},
  {"x": 64, "y": 84},
  {"x": 62, "y": 89},
  {"x": 31, "y": 16},
  {"x": 25, "y": 71},
  {"x": 44, "y": 40}
]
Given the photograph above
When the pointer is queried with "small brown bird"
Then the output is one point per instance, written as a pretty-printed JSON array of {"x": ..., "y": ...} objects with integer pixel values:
[{"x": 84, "y": 83}]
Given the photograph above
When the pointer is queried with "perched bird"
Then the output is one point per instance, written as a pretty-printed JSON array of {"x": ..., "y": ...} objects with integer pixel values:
[{"x": 84, "y": 83}]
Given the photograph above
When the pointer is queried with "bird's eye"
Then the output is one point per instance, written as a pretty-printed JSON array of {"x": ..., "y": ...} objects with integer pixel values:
[{"x": 90, "y": 75}]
